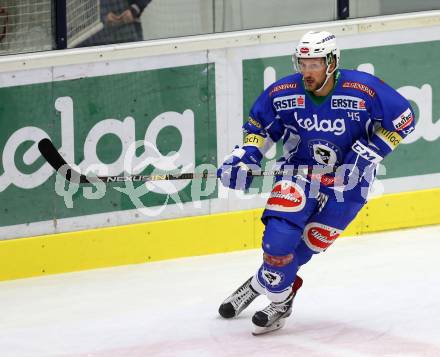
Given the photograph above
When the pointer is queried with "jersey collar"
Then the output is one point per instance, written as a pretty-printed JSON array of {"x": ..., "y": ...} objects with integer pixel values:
[{"x": 318, "y": 100}]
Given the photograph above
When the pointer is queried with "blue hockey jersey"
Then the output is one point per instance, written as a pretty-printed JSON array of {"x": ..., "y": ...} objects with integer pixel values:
[{"x": 361, "y": 106}]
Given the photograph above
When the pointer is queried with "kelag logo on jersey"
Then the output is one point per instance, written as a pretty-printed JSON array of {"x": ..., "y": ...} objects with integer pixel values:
[
  {"x": 289, "y": 102},
  {"x": 335, "y": 126},
  {"x": 347, "y": 102}
]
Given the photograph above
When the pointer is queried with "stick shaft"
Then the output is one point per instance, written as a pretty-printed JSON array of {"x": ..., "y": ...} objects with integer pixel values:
[{"x": 54, "y": 158}]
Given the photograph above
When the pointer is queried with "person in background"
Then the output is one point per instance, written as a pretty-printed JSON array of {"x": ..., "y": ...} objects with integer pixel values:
[{"x": 121, "y": 19}]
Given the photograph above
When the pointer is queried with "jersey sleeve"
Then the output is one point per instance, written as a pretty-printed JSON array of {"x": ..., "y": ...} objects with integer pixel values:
[
  {"x": 393, "y": 116},
  {"x": 263, "y": 119},
  {"x": 263, "y": 127}
]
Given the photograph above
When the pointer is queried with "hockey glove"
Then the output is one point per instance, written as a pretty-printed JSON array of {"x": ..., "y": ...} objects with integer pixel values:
[
  {"x": 359, "y": 166},
  {"x": 233, "y": 172}
]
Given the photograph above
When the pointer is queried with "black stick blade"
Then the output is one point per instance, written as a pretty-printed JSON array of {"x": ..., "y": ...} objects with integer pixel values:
[
  {"x": 51, "y": 154},
  {"x": 54, "y": 158}
]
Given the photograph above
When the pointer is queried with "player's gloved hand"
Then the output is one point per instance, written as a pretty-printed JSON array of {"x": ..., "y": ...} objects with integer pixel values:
[
  {"x": 359, "y": 166},
  {"x": 233, "y": 172}
]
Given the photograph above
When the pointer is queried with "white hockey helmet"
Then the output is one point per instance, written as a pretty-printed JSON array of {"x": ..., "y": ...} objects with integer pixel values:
[{"x": 318, "y": 44}]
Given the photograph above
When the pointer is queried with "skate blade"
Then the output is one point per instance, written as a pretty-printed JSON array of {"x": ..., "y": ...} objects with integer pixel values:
[{"x": 258, "y": 330}]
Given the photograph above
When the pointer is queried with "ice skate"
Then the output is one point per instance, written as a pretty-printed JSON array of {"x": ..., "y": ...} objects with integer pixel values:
[
  {"x": 239, "y": 300},
  {"x": 273, "y": 317}
]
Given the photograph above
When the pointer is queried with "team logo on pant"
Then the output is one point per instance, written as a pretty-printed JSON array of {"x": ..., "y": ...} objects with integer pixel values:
[
  {"x": 319, "y": 237},
  {"x": 286, "y": 196},
  {"x": 272, "y": 278}
]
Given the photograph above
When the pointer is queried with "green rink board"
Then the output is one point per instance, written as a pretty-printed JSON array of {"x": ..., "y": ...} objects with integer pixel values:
[{"x": 145, "y": 96}]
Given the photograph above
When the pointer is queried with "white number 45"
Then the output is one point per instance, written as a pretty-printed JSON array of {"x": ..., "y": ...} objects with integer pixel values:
[{"x": 354, "y": 116}]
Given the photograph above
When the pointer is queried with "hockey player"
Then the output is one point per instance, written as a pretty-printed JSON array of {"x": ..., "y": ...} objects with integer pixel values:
[{"x": 338, "y": 119}]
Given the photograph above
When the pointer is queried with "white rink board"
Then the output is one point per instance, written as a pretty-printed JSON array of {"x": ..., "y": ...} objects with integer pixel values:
[{"x": 226, "y": 51}]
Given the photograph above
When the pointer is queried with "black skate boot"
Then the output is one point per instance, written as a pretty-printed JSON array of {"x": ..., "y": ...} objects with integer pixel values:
[
  {"x": 239, "y": 300},
  {"x": 273, "y": 316}
]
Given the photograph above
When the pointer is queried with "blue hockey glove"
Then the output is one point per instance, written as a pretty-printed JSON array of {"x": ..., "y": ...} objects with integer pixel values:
[
  {"x": 359, "y": 167},
  {"x": 233, "y": 172}
]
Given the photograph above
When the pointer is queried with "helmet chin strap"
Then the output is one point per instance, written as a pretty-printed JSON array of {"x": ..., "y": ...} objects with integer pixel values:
[{"x": 328, "y": 75}]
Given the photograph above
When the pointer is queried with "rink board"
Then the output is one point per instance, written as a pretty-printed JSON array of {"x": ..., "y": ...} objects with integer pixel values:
[
  {"x": 187, "y": 95},
  {"x": 217, "y": 233}
]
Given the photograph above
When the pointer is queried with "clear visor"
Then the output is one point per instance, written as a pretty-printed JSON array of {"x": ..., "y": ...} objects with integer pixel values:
[{"x": 309, "y": 64}]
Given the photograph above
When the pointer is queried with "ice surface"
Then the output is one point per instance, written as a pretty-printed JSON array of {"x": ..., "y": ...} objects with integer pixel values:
[{"x": 376, "y": 295}]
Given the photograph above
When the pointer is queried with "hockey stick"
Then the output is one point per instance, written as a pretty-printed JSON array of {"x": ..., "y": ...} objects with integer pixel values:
[{"x": 54, "y": 158}]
